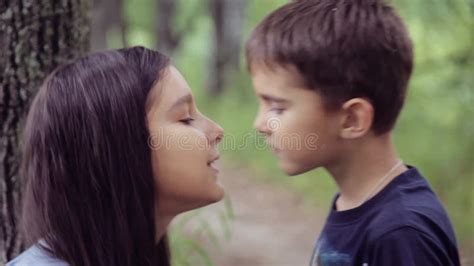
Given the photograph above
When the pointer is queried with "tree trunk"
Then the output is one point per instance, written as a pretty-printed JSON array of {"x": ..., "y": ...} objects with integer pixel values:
[
  {"x": 35, "y": 37},
  {"x": 170, "y": 35},
  {"x": 168, "y": 40},
  {"x": 227, "y": 17},
  {"x": 106, "y": 16}
]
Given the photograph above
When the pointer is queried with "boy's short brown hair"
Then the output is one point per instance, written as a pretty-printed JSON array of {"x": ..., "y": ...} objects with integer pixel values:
[{"x": 343, "y": 49}]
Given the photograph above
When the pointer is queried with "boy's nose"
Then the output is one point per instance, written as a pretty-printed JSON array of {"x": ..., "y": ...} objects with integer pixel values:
[{"x": 260, "y": 125}]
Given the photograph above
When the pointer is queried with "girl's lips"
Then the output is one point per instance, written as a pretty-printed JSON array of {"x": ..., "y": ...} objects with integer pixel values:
[
  {"x": 214, "y": 169},
  {"x": 214, "y": 159},
  {"x": 212, "y": 165}
]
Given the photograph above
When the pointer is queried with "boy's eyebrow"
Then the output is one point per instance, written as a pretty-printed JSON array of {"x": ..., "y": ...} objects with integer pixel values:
[
  {"x": 186, "y": 99},
  {"x": 269, "y": 98}
]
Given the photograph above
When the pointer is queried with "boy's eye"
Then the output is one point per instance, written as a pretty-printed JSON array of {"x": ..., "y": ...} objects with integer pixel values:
[
  {"x": 277, "y": 110},
  {"x": 187, "y": 121}
]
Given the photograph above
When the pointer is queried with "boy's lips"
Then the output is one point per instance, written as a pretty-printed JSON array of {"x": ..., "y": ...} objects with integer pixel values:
[{"x": 275, "y": 150}]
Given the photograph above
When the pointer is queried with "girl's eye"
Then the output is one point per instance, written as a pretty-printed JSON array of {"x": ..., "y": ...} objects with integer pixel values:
[
  {"x": 278, "y": 111},
  {"x": 187, "y": 121}
]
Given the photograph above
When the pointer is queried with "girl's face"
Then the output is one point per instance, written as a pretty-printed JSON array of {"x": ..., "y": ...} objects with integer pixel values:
[{"x": 184, "y": 147}]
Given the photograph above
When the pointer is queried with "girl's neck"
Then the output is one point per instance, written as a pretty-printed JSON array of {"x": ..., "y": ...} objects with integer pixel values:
[{"x": 161, "y": 225}]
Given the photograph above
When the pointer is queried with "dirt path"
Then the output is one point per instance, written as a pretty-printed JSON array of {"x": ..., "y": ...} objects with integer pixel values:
[{"x": 272, "y": 226}]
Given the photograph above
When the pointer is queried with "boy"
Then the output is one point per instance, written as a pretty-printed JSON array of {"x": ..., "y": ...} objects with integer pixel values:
[{"x": 334, "y": 73}]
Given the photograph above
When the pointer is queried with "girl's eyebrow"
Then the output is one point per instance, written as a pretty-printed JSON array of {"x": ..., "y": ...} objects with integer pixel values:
[
  {"x": 274, "y": 99},
  {"x": 186, "y": 99}
]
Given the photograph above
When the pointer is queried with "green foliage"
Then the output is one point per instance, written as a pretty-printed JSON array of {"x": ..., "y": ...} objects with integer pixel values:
[
  {"x": 435, "y": 131},
  {"x": 193, "y": 228}
]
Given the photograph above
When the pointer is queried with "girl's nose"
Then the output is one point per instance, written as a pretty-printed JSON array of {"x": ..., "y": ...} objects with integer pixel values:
[
  {"x": 219, "y": 134},
  {"x": 215, "y": 132}
]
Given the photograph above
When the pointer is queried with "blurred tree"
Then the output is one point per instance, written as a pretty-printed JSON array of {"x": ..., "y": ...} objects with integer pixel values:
[
  {"x": 168, "y": 39},
  {"x": 228, "y": 22},
  {"x": 107, "y": 16},
  {"x": 35, "y": 37},
  {"x": 169, "y": 34}
]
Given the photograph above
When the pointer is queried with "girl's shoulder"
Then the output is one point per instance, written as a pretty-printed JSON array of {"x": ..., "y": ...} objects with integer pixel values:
[{"x": 37, "y": 256}]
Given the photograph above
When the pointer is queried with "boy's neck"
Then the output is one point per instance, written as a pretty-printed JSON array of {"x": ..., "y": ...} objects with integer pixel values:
[{"x": 362, "y": 168}]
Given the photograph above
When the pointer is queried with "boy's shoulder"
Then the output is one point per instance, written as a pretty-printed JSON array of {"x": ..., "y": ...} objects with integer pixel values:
[
  {"x": 404, "y": 224},
  {"x": 408, "y": 205},
  {"x": 411, "y": 227}
]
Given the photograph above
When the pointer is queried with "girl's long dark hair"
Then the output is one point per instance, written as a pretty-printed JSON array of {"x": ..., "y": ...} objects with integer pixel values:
[{"x": 89, "y": 183}]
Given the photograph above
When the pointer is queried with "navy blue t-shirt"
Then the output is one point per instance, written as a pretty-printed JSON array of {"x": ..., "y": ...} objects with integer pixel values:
[{"x": 404, "y": 224}]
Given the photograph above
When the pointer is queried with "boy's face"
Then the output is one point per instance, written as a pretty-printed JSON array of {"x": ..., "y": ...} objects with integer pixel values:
[{"x": 301, "y": 133}]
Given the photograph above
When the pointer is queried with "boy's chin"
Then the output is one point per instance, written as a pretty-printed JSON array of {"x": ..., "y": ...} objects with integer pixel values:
[{"x": 293, "y": 169}]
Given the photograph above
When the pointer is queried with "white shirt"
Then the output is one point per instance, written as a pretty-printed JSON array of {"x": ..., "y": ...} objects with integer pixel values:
[{"x": 36, "y": 256}]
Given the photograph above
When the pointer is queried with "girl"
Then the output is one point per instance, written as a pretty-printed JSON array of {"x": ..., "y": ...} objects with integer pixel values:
[{"x": 114, "y": 149}]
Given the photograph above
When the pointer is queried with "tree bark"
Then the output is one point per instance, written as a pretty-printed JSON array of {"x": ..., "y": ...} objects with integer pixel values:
[
  {"x": 228, "y": 18},
  {"x": 35, "y": 37}
]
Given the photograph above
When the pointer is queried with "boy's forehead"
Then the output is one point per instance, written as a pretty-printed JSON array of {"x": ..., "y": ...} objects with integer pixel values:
[{"x": 279, "y": 75}]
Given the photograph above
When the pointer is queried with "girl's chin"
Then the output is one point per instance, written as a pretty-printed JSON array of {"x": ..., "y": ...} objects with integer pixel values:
[
  {"x": 212, "y": 198},
  {"x": 218, "y": 194},
  {"x": 214, "y": 193}
]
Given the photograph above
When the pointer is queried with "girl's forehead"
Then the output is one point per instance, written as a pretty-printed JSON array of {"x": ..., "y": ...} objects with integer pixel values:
[{"x": 167, "y": 91}]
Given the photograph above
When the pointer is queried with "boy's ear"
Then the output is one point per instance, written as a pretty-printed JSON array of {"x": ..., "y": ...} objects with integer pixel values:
[{"x": 357, "y": 118}]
